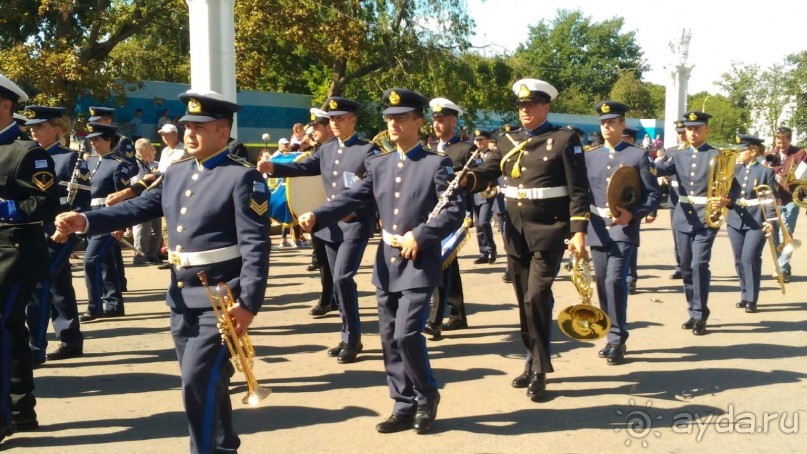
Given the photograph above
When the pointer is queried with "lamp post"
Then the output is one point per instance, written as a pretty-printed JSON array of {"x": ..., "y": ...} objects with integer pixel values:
[{"x": 703, "y": 107}]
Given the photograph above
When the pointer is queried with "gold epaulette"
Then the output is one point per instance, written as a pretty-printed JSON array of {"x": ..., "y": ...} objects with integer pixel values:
[{"x": 240, "y": 160}]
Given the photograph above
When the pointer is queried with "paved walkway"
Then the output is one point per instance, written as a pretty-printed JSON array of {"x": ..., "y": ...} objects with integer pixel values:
[{"x": 677, "y": 392}]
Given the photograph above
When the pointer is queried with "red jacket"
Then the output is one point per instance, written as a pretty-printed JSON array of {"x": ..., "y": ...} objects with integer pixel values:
[{"x": 793, "y": 157}]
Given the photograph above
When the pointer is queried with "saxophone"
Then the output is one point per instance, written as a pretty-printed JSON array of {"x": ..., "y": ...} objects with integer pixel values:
[{"x": 721, "y": 174}]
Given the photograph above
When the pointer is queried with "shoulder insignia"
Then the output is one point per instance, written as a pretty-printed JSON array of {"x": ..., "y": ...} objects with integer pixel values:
[
  {"x": 125, "y": 182},
  {"x": 43, "y": 180},
  {"x": 240, "y": 160},
  {"x": 260, "y": 208}
]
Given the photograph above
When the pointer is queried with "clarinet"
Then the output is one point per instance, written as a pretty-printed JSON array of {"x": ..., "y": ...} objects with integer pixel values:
[
  {"x": 445, "y": 198},
  {"x": 72, "y": 186}
]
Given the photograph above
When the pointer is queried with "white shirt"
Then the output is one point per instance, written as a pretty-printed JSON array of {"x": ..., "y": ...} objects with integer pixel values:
[{"x": 170, "y": 155}]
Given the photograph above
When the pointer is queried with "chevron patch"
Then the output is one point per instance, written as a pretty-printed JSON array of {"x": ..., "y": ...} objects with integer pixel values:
[
  {"x": 260, "y": 208},
  {"x": 43, "y": 180}
]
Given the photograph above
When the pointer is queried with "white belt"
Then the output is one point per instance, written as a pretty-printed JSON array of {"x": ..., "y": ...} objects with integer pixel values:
[
  {"x": 98, "y": 202},
  {"x": 692, "y": 200},
  {"x": 601, "y": 212},
  {"x": 753, "y": 202},
  {"x": 535, "y": 193},
  {"x": 201, "y": 258},
  {"x": 391, "y": 239}
]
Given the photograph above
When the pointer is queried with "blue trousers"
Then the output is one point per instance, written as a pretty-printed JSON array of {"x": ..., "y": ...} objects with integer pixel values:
[
  {"x": 102, "y": 275},
  {"x": 695, "y": 252},
  {"x": 747, "y": 246},
  {"x": 401, "y": 319},
  {"x": 483, "y": 214},
  {"x": 611, "y": 265},
  {"x": 344, "y": 259},
  {"x": 448, "y": 295},
  {"x": 54, "y": 298},
  {"x": 202, "y": 359}
]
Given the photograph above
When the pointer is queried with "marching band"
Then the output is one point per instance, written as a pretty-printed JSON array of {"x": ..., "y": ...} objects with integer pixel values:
[{"x": 553, "y": 195}]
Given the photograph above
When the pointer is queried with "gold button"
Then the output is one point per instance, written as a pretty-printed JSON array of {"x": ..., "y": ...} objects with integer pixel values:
[
  {"x": 608, "y": 179},
  {"x": 336, "y": 162},
  {"x": 333, "y": 184},
  {"x": 523, "y": 169},
  {"x": 335, "y": 172},
  {"x": 546, "y": 159},
  {"x": 195, "y": 176},
  {"x": 180, "y": 284},
  {"x": 183, "y": 210},
  {"x": 526, "y": 153},
  {"x": 395, "y": 211},
  {"x": 521, "y": 186},
  {"x": 397, "y": 195},
  {"x": 400, "y": 165},
  {"x": 693, "y": 164},
  {"x": 397, "y": 179},
  {"x": 393, "y": 260},
  {"x": 606, "y": 204},
  {"x": 520, "y": 204},
  {"x": 340, "y": 151},
  {"x": 610, "y": 156},
  {"x": 16, "y": 245},
  {"x": 509, "y": 159},
  {"x": 179, "y": 248},
  {"x": 188, "y": 193},
  {"x": 691, "y": 192},
  {"x": 394, "y": 226},
  {"x": 690, "y": 212},
  {"x": 180, "y": 228},
  {"x": 608, "y": 167},
  {"x": 505, "y": 178},
  {"x": 692, "y": 174}
]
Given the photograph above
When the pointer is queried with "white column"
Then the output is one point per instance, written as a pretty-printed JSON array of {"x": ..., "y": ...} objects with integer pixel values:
[
  {"x": 212, "y": 33},
  {"x": 676, "y": 102}
]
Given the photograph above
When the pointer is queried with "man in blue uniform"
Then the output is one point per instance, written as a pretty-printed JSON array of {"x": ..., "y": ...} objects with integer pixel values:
[
  {"x": 55, "y": 296},
  {"x": 747, "y": 226},
  {"x": 341, "y": 163},
  {"x": 672, "y": 185},
  {"x": 405, "y": 186},
  {"x": 109, "y": 173},
  {"x": 216, "y": 205},
  {"x": 484, "y": 202},
  {"x": 445, "y": 116},
  {"x": 544, "y": 181},
  {"x": 28, "y": 197},
  {"x": 613, "y": 232},
  {"x": 693, "y": 236}
]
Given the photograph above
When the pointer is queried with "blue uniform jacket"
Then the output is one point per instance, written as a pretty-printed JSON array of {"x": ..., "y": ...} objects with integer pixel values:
[
  {"x": 746, "y": 178},
  {"x": 109, "y": 173},
  {"x": 208, "y": 205},
  {"x": 691, "y": 167},
  {"x": 600, "y": 165},
  {"x": 341, "y": 165},
  {"x": 64, "y": 160},
  {"x": 405, "y": 189}
]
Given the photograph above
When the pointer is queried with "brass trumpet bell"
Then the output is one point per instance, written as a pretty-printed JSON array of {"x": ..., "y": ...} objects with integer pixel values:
[
  {"x": 253, "y": 397},
  {"x": 584, "y": 322}
]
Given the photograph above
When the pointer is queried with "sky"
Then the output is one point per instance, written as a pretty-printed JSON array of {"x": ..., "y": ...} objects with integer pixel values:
[{"x": 761, "y": 33}]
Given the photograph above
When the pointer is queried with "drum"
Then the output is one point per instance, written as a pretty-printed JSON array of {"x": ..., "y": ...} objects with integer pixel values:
[{"x": 304, "y": 194}]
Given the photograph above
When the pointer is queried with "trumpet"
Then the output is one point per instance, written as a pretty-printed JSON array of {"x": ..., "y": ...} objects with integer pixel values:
[
  {"x": 721, "y": 173},
  {"x": 765, "y": 196},
  {"x": 241, "y": 350},
  {"x": 583, "y": 321}
]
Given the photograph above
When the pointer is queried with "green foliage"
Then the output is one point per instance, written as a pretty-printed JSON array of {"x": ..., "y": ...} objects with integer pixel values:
[
  {"x": 630, "y": 90},
  {"x": 727, "y": 119}
]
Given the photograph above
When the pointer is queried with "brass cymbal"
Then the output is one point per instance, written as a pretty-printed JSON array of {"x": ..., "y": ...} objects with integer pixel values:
[{"x": 624, "y": 189}]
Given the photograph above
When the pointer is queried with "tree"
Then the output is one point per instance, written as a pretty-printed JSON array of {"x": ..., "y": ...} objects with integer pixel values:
[
  {"x": 581, "y": 58},
  {"x": 798, "y": 79},
  {"x": 727, "y": 119},
  {"x": 60, "y": 49},
  {"x": 630, "y": 90}
]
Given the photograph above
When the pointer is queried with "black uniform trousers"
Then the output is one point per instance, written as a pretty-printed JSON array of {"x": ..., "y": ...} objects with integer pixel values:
[
  {"x": 694, "y": 252},
  {"x": 448, "y": 295},
  {"x": 533, "y": 275},
  {"x": 101, "y": 274},
  {"x": 611, "y": 264},
  {"x": 747, "y": 245},
  {"x": 483, "y": 214},
  {"x": 344, "y": 259},
  {"x": 401, "y": 318},
  {"x": 202, "y": 360},
  {"x": 54, "y": 298},
  {"x": 326, "y": 298}
]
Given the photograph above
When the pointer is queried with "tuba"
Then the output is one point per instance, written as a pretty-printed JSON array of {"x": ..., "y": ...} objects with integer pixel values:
[
  {"x": 796, "y": 183},
  {"x": 241, "y": 350},
  {"x": 766, "y": 197},
  {"x": 383, "y": 142},
  {"x": 583, "y": 321},
  {"x": 721, "y": 174}
]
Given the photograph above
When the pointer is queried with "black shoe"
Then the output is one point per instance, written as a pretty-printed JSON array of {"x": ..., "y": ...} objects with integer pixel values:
[
  {"x": 751, "y": 308},
  {"x": 741, "y": 304},
  {"x": 632, "y": 288},
  {"x": 689, "y": 324},
  {"x": 492, "y": 258},
  {"x": 616, "y": 355},
  {"x": 522, "y": 381},
  {"x": 699, "y": 328},
  {"x": 7, "y": 431},
  {"x": 425, "y": 416},
  {"x": 434, "y": 331},
  {"x": 507, "y": 278},
  {"x": 395, "y": 423},
  {"x": 606, "y": 350},
  {"x": 115, "y": 313},
  {"x": 139, "y": 261},
  {"x": 537, "y": 387},
  {"x": 319, "y": 311},
  {"x": 64, "y": 352},
  {"x": 164, "y": 266},
  {"x": 455, "y": 324},
  {"x": 87, "y": 317},
  {"x": 676, "y": 275},
  {"x": 312, "y": 267},
  {"x": 26, "y": 425},
  {"x": 349, "y": 353},
  {"x": 334, "y": 352},
  {"x": 481, "y": 259},
  {"x": 786, "y": 277}
]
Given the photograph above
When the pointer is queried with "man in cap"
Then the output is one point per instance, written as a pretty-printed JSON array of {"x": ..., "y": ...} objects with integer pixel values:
[
  {"x": 28, "y": 198},
  {"x": 342, "y": 163},
  {"x": 20, "y": 120},
  {"x": 694, "y": 236},
  {"x": 545, "y": 185},
  {"x": 786, "y": 156},
  {"x": 216, "y": 205},
  {"x": 671, "y": 183},
  {"x": 613, "y": 231},
  {"x": 55, "y": 294},
  {"x": 445, "y": 116},
  {"x": 483, "y": 204},
  {"x": 321, "y": 133},
  {"x": 405, "y": 186},
  {"x": 174, "y": 149}
]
